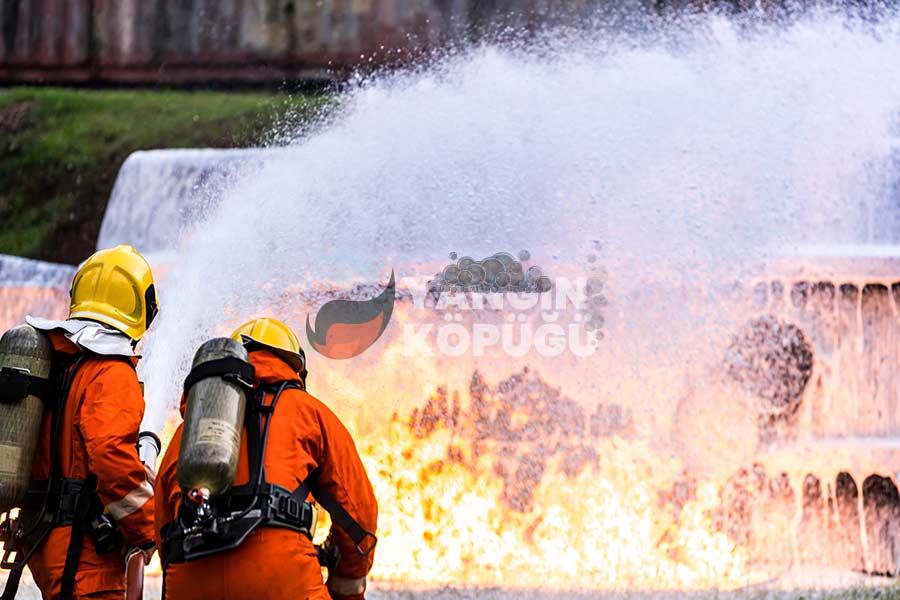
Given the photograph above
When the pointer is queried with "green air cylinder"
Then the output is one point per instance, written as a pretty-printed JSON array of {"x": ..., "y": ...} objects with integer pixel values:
[
  {"x": 23, "y": 351},
  {"x": 213, "y": 422}
]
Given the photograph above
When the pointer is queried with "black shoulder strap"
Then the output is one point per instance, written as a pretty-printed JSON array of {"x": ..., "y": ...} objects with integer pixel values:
[
  {"x": 76, "y": 540},
  {"x": 12, "y": 583},
  {"x": 67, "y": 377},
  {"x": 257, "y": 432},
  {"x": 256, "y": 449},
  {"x": 257, "y": 420},
  {"x": 86, "y": 496},
  {"x": 339, "y": 514}
]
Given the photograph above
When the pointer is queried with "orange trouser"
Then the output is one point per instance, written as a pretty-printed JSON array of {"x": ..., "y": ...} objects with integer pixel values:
[
  {"x": 272, "y": 563},
  {"x": 97, "y": 576}
]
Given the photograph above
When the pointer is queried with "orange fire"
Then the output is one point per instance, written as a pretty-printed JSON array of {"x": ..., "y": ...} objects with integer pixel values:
[
  {"x": 447, "y": 515},
  {"x": 505, "y": 480}
]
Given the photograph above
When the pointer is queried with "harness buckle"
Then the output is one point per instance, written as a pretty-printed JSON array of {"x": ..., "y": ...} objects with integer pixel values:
[
  {"x": 239, "y": 379},
  {"x": 365, "y": 551},
  {"x": 291, "y": 508},
  {"x": 67, "y": 504}
]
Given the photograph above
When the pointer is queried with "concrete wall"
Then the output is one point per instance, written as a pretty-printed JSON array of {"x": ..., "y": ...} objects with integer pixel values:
[{"x": 240, "y": 40}]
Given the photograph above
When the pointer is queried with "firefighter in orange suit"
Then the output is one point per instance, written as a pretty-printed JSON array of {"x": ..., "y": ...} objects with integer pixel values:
[
  {"x": 304, "y": 438},
  {"x": 92, "y": 452}
]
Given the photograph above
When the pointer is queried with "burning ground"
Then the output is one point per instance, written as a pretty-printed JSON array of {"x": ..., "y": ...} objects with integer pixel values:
[{"x": 517, "y": 483}]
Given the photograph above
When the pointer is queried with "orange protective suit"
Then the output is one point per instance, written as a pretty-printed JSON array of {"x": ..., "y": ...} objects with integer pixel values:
[
  {"x": 274, "y": 562},
  {"x": 99, "y": 432}
]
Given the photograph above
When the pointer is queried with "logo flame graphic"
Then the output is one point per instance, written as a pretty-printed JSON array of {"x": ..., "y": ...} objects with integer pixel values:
[{"x": 345, "y": 328}]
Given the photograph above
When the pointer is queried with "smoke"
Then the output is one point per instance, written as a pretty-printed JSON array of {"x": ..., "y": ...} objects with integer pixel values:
[{"x": 689, "y": 153}]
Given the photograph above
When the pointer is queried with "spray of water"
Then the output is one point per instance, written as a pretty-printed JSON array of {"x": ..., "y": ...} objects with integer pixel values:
[
  {"x": 683, "y": 154},
  {"x": 675, "y": 162}
]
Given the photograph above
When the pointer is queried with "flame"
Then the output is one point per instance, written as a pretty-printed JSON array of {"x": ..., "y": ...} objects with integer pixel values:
[
  {"x": 443, "y": 519},
  {"x": 508, "y": 481}
]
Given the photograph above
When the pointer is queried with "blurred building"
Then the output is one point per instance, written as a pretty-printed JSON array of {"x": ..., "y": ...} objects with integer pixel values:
[{"x": 246, "y": 41}]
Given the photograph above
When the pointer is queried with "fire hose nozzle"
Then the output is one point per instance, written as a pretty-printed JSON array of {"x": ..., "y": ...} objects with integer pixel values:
[{"x": 148, "y": 446}]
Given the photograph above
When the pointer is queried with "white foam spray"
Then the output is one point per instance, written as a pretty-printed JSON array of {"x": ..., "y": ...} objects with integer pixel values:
[{"x": 684, "y": 154}]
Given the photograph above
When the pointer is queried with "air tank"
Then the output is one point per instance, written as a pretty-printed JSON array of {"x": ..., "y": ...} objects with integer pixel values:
[
  {"x": 23, "y": 350},
  {"x": 213, "y": 422}
]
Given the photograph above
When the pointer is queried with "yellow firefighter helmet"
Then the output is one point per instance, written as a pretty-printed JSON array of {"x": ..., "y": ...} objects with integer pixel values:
[
  {"x": 115, "y": 287},
  {"x": 275, "y": 336}
]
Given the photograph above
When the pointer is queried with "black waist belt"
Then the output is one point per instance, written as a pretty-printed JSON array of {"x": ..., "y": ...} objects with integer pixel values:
[
  {"x": 233, "y": 518},
  {"x": 60, "y": 505},
  {"x": 277, "y": 506},
  {"x": 285, "y": 511}
]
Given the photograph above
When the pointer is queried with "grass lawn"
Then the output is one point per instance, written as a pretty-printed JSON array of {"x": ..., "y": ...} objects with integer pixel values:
[{"x": 60, "y": 150}]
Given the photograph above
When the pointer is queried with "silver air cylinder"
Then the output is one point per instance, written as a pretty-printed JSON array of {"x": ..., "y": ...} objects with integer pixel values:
[
  {"x": 213, "y": 423},
  {"x": 23, "y": 350}
]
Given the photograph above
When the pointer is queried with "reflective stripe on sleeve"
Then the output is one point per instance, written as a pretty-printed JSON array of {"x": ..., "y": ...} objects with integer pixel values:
[
  {"x": 133, "y": 502},
  {"x": 345, "y": 586}
]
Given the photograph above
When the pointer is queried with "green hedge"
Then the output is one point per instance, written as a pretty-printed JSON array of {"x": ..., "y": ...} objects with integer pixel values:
[{"x": 60, "y": 150}]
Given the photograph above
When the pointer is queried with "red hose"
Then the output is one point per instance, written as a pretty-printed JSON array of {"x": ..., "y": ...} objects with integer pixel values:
[{"x": 134, "y": 577}]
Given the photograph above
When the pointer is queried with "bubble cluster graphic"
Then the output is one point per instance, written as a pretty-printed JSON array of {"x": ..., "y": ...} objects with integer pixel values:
[
  {"x": 500, "y": 272},
  {"x": 594, "y": 291}
]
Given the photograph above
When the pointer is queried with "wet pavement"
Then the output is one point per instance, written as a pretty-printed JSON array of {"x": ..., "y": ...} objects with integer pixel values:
[{"x": 816, "y": 584}]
